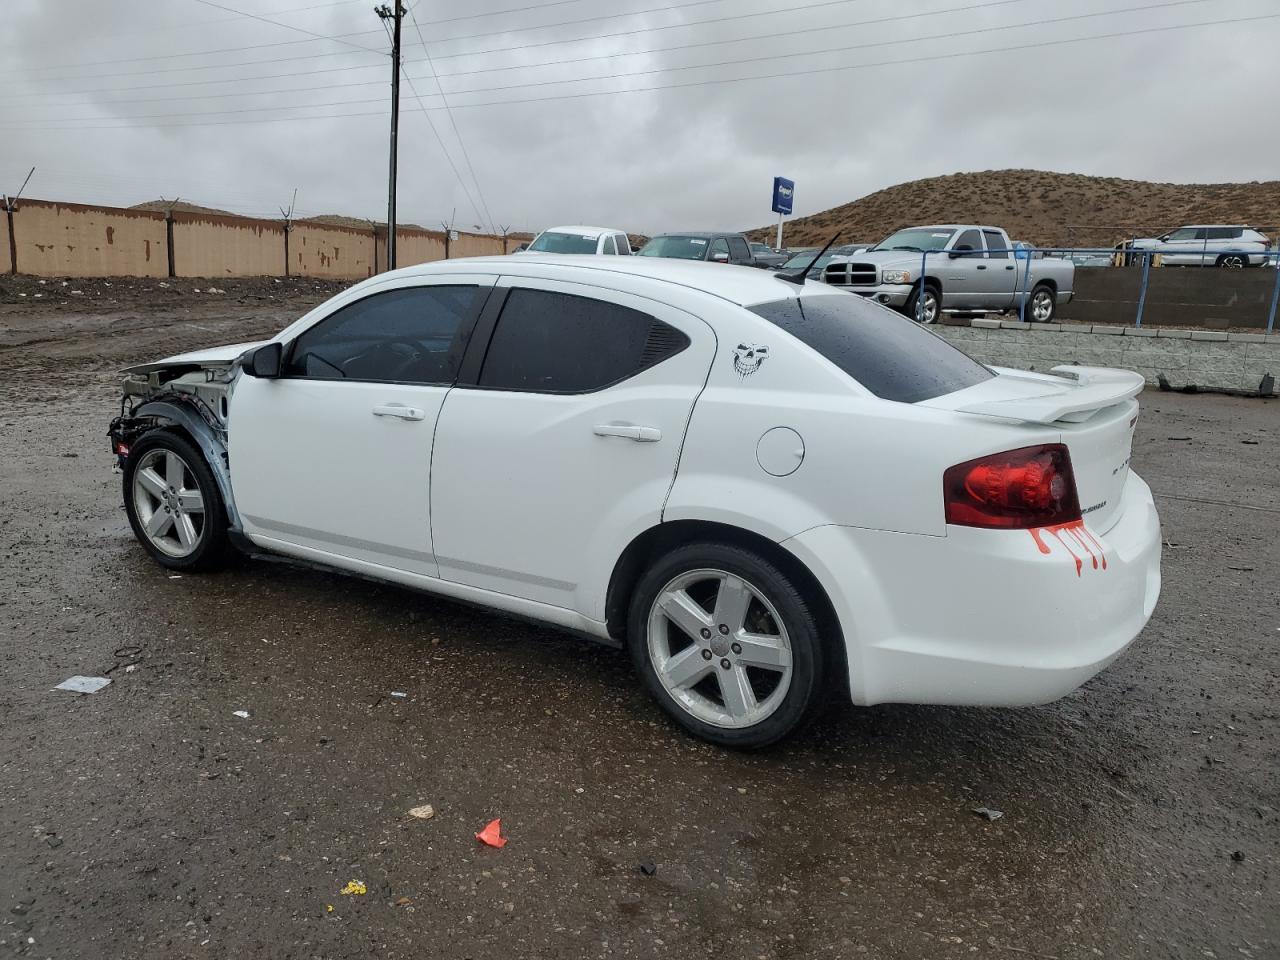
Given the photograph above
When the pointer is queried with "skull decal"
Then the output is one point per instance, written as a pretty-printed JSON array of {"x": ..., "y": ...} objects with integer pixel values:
[{"x": 748, "y": 358}]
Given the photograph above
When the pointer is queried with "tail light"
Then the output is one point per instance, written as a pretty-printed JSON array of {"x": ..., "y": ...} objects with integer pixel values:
[{"x": 1015, "y": 490}]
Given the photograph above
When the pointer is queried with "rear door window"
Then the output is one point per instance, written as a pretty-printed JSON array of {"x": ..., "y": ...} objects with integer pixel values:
[
  {"x": 549, "y": 342},
  {"x": 893, "y": 357},
  {"x": 995, "y": 242},
  {"x": 738, "y": 249}
]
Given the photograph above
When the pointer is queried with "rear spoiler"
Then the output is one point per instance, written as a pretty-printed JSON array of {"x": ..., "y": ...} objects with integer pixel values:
[{"x": 1094, "y": 388}]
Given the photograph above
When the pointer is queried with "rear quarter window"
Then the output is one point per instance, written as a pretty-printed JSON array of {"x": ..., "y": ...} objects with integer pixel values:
[{"x": 893, "y": 357}]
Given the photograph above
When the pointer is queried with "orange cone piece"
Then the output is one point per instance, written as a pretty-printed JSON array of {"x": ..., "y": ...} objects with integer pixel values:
[{"x": 491, "y": 835}]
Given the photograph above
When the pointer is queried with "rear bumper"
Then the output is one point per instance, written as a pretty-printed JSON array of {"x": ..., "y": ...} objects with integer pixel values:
[{"x": 983, "y": 617}]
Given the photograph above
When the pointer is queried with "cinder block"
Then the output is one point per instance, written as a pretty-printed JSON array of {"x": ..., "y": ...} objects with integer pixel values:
[
  {"x": 1172, "y": 333},
  {"x": 984, "y": 323},
  {"x": 1014, "y": 325},
  {"x": 1246, "y": 337},
  {"x": 1139, "y": 332},
  {"x": 1208, "y": 335},
  {"x": 1263, "y": 351},
  {"x": 1106, "y": 330}
]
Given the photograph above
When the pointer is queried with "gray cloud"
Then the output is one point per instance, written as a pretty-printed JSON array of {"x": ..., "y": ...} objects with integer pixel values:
[{"x": 1180, "y": 105}]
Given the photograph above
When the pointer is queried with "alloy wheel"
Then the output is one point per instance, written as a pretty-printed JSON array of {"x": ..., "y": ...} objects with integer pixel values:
[
  {"x": 169, "y": 503},
  {"x": 927, "y": 307},
  {"x": 1041, "y": 306},
  {"x": 719, "y": 648}
]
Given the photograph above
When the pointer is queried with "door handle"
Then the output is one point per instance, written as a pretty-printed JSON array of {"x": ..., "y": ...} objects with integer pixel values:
[
  {"x": 1010, "y": 267},
  {"x": 398, "y": 410},
  {"x": 628, "y": 431},
  {"x": 982, "y": 266}
]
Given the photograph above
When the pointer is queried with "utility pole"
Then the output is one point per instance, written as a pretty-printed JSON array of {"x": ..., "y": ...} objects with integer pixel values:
[{"x": 397, "y": 16}]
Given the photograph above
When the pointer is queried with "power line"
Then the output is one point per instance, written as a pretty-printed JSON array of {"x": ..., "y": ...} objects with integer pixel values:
[
  {"x": 461, "y": 144},
  {"x": 949, "y": 35},
  {"x": 286, "y": 26},
  {"x": 1015, "y": 48}
]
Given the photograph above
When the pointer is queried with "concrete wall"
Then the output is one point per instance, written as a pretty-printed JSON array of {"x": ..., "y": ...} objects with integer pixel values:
[
  {"x": 412, "y": 246},
  {"x": 73, "y": 240},
  {"x": 6, "y": 259},
  {"x": 475, "y": 245},
  {"x": 206, "y": 245},
  {"x": 1185, "y": 358},
  {"x": 336, "y": 253},
  {"x": 1176, "y": 296}
]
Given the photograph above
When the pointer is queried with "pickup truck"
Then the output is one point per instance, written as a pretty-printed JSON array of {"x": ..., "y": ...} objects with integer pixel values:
[{"x": 970, "y": 269}]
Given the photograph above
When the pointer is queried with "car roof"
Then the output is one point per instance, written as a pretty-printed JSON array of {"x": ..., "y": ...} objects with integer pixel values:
[
  {"x": 740, "y": 285},
  {"x": 583, "y": 230},
  {"x": 697, "y": 233},
  {"x": 1197, "y": 226}
]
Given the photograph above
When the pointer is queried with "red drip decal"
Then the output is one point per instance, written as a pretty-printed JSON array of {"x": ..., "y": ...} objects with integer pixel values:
[{"x": 1075, "y": 539}]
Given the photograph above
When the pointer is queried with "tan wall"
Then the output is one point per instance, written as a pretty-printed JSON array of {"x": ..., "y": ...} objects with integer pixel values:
[
  {"x": 6, "y": 260},
  {"x": 205, "y": 245},
  {"x": 475, "y": 245},
  {"x": 73, "y": 240},
  {"x": 414, "y": 246},
  {"x": 331, "y": 252}
]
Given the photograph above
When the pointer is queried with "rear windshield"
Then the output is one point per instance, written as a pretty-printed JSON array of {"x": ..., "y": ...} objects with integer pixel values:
[
  {"x": 682, "y": 248},
  {"x": 550, "y": 242},
  {"x": 893, "y": 357}
]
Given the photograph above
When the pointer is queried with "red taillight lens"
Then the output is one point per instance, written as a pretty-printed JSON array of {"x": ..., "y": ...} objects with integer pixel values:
[{"x": 1016, "y": 490}]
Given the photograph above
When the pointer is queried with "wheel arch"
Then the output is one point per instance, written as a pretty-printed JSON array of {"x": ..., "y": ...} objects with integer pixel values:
[
  {"x": 186, "y": 419},
  {"x": 655, "y": 541}
]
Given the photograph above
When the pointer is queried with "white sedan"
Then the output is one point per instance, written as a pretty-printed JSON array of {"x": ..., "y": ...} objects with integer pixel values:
[{"x": 772, "y": 493}]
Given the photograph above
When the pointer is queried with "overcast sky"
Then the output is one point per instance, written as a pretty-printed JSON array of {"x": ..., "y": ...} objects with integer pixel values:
[{"x": 119, "y": 101}]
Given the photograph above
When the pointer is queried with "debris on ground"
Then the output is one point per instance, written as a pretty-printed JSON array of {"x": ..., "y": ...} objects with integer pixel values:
[
  {"x": 491, "y": 835},
  {"x": 354, "y": 887},
  {"x": 397, "y": 693},
  {"x": 424, "y": 812},
  {"x": 78, "y": 684},
  {"x": 242, "y": 714},
  {"x": 648, "y": 869},
  {"x": 1238, "y": 856},
  {"x": 403, "y": 902},
  {"x": 988, "y": 814}
]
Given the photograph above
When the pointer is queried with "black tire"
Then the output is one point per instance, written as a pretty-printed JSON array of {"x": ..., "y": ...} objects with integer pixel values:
[
  {"x": 1233, "y": 261},
  {"x": 211, "y": 544},
  {"x": 802, "y": 694},
  {"x": 1042, "y": 294},
  {"x": 930, "y": 291}
]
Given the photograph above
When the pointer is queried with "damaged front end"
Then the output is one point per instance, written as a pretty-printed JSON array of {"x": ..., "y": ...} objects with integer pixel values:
[{"x": 190, "y": 394}]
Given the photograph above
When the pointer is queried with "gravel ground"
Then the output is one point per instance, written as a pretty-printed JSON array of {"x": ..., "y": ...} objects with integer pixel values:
[{"x": 1141, "y": 814}]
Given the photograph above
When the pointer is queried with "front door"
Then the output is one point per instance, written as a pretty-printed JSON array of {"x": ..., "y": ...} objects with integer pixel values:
[
  {"x": 962, "y": 278},
  {"x": 566, "y": 444},
  {"x": 334, "y": 457}
]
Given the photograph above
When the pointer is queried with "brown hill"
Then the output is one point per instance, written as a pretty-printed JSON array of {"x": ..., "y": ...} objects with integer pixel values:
[
  {"x": 181, "y": 206},
  {"x": 1047, "y": 209}
]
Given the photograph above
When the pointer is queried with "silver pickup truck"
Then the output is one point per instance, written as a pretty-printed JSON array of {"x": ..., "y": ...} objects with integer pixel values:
[{"x": 970, "y": 269}]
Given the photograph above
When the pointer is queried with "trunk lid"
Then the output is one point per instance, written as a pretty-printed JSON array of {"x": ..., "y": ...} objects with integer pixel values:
[{"x": 1095, "y": 410}]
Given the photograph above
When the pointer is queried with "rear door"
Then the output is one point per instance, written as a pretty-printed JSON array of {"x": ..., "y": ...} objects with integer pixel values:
[
  {"x": 740, "y": 252},
  {"x": 998, "y": 278},
  {"x": 560, "y": 442}
]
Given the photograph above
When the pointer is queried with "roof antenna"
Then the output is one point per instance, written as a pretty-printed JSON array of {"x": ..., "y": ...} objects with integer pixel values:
[{"x": 798, "y": 275}]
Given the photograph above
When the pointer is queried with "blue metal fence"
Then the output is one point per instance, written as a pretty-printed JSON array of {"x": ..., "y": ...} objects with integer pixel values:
[{"x": 1026, "y": 254}]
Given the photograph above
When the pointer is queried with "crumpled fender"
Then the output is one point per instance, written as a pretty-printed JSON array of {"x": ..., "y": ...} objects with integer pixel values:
[{"x": 207, "y": 438}]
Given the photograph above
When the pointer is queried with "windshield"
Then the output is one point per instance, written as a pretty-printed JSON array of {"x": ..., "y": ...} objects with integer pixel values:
[
  {"x": 918, "y": 239},
  {"x": 798, "y": 260},
  {"x": 893, "y": 357},
  {"x": 682, "y": 248},
  {"x": 551, "y": 242}
]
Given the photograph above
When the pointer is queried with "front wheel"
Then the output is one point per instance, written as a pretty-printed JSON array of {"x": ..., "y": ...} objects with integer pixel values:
[
  {"x": 1043, "y": 305},
  {"x": 923, "y": 307},
  {"x": 173, "y": 503},
  {"x": 726, "y": 644}
]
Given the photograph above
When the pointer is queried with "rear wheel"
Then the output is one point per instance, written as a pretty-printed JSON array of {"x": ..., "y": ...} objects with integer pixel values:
[
  {"x": 924, "y": 307},
  {"x": 726, "y": 644},
  {"x": 1233, "y": 261},
  {"x": 1043, "y": 305},
  {"x": 173, "y": 503}
]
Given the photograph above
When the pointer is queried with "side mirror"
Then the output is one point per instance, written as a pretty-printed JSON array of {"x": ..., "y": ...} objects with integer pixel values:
[
  {"x": 265, "y": 362},
  {"x": 960, "y": 251},
  {"x": 720, "y": 257}
]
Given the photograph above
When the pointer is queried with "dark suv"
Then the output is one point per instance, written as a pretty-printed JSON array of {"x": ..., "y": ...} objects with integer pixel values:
[{"x": 714, "y": 247}]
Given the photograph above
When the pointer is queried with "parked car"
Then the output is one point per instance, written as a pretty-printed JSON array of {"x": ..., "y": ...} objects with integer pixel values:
[
  {"x": 765, "y": 256},
  {"x": 744, "y": 480},
  {"x": 597, "y": 240},
  {"x": 803, "y": 256},
  {"x": 1208, "y": 245},
  {"x": 713, "y": 247},
  {"x": 973, "y": 269}
]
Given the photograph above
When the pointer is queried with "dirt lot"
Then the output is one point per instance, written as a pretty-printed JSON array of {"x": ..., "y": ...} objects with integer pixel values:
[{"x": 1141, "y": 814}]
